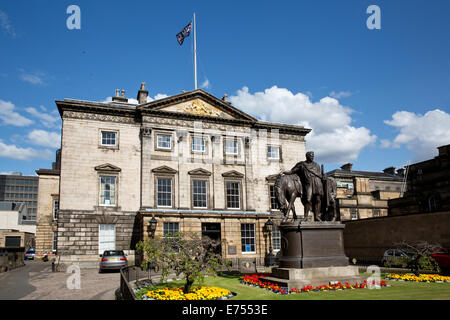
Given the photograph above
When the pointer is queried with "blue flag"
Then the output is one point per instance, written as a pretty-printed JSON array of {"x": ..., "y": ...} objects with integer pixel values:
[{"x": 184, "y": 33}]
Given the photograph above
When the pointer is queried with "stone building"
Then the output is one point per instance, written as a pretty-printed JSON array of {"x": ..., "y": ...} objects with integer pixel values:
[
  {"x": 427, "y": 186},
  {"x": 192, "y": 161},
  {"x": 365, "y": 194}
]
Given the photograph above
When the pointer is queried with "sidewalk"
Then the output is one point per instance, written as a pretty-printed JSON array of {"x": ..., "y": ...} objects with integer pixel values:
[{"x": 53, "y": 285}]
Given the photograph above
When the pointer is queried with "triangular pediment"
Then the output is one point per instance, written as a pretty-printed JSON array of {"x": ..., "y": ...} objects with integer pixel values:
[
  {"x": 107, "y": 167},
  {"x": 232, "y": 174},
  {"x": 164, "y": 169},
  {"x": 197, "y": 103},
  {"x": 199, "y": 172}
]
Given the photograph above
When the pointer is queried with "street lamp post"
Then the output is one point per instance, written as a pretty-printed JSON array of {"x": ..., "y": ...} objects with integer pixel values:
[
  {"x": 269, "y": 260},
  {"x": 153, "y": 223}
]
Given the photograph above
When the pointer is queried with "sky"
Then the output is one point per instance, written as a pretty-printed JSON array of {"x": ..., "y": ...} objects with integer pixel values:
[{"x": 374, "y": 97}]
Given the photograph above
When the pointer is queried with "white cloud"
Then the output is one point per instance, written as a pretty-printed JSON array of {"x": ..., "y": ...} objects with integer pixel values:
[
  {"x": 205, "y": 84},
  {"x": 340, "y": 94},
  {"x": 11, "y": 117},
  {"x": 332, "y": 139},
  {"x": 45, "y": 138},
  {"x": 421, "y": 134},
  {"x": 17, "y": 153},
  {"x": 46, "y": 119},
  {"x": 6, "y": 24},
  {"x": 36, "y": 79}
]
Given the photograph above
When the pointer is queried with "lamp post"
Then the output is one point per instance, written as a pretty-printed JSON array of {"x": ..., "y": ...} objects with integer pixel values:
[
  {"x": 269, "y": 260},
  {"x": 153, "y": 223}
]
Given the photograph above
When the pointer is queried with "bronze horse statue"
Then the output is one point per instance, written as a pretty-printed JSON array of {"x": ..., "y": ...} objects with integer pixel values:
[{"x": 287, "y": 188}]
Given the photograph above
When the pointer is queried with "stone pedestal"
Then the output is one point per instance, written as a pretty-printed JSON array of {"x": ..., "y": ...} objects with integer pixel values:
[
  {"x": 312, "y": 254},
  {"x": 298, "y": 278},
  {"x": 312, "y": 245}
]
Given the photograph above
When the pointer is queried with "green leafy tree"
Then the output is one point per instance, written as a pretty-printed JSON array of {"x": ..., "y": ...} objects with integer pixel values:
[{"x": 185, "y": 254}]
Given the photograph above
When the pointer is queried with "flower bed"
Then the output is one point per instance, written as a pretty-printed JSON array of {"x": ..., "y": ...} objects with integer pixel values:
[
  {"x": 421, "y": 278},
  {"x": 254, "y": 280},
  {"x": 176, "y": 293}
]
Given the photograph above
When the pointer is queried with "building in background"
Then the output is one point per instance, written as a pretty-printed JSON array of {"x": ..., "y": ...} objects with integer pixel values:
[
  {"x": 18, "y": 188},
  {"x": 48, "y": 205},
  {"x": 427, "y": 187},
  {"x": 191, "y": 161},
  {"x": 12, "y": 217},
  {"x": 365, "y": 194}
]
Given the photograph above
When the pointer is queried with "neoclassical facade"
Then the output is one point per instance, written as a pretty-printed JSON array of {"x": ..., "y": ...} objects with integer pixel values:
[{"x": 191, "y": 161}]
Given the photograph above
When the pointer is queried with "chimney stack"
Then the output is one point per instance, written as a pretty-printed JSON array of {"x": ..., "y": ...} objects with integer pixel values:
[
  {"x": 121, "y": 98},
  {"x": 142, "y": 94},
  {"x": 390, "y": 170},
  {"x": 347, "y": 167}
]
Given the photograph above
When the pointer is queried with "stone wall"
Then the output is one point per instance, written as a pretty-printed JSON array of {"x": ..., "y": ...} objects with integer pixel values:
[
  {"x": 368, "y": 239},
  {"x": 46, "y": 224},
  {"x": 78, "y": 234}
]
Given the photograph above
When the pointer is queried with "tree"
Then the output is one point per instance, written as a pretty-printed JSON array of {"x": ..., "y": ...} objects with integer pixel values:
[
  {"x": 185, "y": 254},
  {"x": 419, "y": 256}
]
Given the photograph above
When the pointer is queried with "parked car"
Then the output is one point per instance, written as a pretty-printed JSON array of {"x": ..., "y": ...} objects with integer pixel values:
[
  {"x": 442, "y": 258},
  {"x": 29, "y": 255},
  {"x": 392, "y": 257},
  {"x": 113, "y": 259}
]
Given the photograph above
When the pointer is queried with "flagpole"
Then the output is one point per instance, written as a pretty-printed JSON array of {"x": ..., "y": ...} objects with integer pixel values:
[{"x": 195, "y": 56}]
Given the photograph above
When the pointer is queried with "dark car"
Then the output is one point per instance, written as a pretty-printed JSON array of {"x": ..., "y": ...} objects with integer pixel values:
[
  {"x": 442, "y": 258},
  {"x": 29, "y": 255},
  {"x": 113, "y": 260}
]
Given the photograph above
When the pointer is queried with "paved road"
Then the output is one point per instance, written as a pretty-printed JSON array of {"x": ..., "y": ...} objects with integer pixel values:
[
  {"x": 35, "y": 281},
  {"x": 15, "y": 284}
]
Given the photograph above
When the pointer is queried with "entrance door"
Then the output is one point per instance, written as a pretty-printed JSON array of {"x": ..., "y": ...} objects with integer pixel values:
[
  {"x": 212, "y": 231},
  {"x": 106, "y": 237}
]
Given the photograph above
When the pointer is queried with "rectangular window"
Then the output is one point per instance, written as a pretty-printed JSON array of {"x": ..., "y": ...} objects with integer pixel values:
[
  {"x": 276, "y": 239},
  {"x": 164, "y": 192},
  {"x": 231, "y": 147},
  {"x": 170, "y": 228},
  {"x": 107, "y": 191},
  {"x": 248, "y": 237},
  {"x": 233, "y": 194},
  {"x": 55, "y": 239},
  {"x": 376, "y": 213},
  {"x": 164, "y": 141},
  {"x": 109, "y": 138},
  {"x": 198, "y": 144},
  {"x": 199, "y": 194},
  {"x": 273, "y": 200},
  {"x": 55, "y": 209},
  {"x": 273, "y": 153},
  {"x": 106, "y": 238}
]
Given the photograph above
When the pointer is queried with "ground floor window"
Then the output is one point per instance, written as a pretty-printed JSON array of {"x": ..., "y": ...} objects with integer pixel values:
[
  {"x": 248, "y": 237},
  {"x": 55, "y": 238},
  {"x": 170, "y": 228},
  {"x": 276, "y": 238},
  {"x": 106, "y": 238}
]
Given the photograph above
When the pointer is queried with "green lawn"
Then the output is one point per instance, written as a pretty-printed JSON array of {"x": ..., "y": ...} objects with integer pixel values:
[{"x": 399, "y": 290}]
